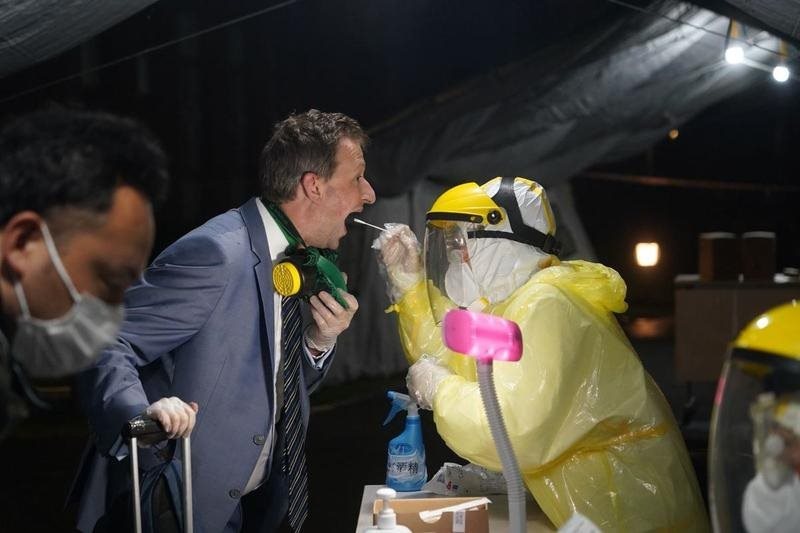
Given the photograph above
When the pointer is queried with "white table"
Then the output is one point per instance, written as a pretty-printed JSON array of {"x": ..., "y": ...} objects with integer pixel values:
[{"x": 498, "y": 511}]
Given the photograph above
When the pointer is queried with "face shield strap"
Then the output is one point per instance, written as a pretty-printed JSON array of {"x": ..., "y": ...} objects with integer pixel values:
[
  {"x": 523, "y": 233},
  {"x": 530, "y": 236},
  {"x": 455, "y": 217}
]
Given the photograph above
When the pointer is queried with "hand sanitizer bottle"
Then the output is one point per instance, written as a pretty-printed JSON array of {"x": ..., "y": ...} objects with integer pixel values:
[{"x": 387, "y": 519}]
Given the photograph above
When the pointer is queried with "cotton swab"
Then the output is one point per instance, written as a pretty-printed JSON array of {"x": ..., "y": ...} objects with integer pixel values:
[{"x": 368, "y": 224}]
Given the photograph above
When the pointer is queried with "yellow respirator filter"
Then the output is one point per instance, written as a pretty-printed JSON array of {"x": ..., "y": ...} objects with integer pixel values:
[{"x": 286, "y": 278}]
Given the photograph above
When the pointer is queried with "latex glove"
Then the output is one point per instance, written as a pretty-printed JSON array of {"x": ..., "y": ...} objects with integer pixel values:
[
  {"x": 176, "y": 416},
  {"x": 400, "y": 257},
  {"x": 330, "y": 319},
  {"x": 423, "y": 379}
]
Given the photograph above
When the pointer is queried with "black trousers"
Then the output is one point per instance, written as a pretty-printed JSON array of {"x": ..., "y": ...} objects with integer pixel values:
[
  {"x": 119, "y": 518},
  {"x": 265, "y": 509},
  {"x": 259, "y": 506}
]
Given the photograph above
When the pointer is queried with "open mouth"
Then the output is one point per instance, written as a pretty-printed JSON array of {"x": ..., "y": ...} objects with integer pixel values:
[
  {"x": 353, "y": 220},
  {"x": 350, "y": 219}
]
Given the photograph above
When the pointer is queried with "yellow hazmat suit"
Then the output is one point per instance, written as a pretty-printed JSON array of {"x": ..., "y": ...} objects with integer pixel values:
[{"x": 590, "y": 429}]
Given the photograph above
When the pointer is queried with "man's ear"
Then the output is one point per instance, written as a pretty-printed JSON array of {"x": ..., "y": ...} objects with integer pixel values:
[
  {"x": 311, "y": 186},
  {"x": 18, "y": 235}
]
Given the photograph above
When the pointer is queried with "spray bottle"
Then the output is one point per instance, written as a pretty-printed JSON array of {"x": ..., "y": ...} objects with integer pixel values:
[{"x": 405, "y": 466}]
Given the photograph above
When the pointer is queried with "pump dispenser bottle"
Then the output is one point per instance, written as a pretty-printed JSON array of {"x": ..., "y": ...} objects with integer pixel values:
[
  {"x": 387, "y": 519},
  {"x": 405, "y": 467}
]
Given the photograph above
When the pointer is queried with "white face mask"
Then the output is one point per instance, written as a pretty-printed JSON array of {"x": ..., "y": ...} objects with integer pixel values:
[
  {"x": 459, "y": 282},
  {"x": 497, "y": 267},
  {"x": 68, "y": 344}
]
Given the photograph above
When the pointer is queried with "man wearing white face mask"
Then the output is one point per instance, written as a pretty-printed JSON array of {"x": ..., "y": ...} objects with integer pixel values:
[
  {"x": 60, "y": 346},
  {"x": 589, "y": 428},
  {"x": 76, "y": 228}
]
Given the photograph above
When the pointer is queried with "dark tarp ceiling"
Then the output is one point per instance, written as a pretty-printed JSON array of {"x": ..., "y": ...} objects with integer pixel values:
[
  {"x": 604, "y": 96},
  {"x": 780, "y": 17},
  {"x": 34, "y": 30},
  {"x": 586, "y": 97}
]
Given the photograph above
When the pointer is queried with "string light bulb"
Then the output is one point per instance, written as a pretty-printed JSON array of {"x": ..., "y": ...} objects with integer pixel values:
[
  {"x": 734, "y": 53},
  {"x": 781, "y": 71}
]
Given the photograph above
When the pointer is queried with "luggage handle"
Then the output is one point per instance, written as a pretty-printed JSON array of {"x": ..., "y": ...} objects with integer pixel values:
[{"x": 144, "y": 426}]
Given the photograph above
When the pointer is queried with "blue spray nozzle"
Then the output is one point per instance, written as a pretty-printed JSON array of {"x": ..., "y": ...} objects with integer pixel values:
[{"x": 400, "y": 402}]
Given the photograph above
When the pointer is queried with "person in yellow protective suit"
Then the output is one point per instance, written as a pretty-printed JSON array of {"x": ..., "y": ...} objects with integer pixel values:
[
  {"x": 591, "y": 431},
  {"x": 754, "y": 450}
]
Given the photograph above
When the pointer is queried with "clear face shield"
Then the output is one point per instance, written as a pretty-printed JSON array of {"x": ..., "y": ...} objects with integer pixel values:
[
  {"x": 449, "y": 257},
  {"x": 754, "y": 449}
]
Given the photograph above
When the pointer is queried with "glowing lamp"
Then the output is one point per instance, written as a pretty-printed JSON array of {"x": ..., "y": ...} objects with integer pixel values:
[{"x": 647, "y": 254}]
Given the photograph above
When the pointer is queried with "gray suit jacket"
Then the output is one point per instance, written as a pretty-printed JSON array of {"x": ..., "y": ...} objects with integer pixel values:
[{"x": 199, "y": 325}]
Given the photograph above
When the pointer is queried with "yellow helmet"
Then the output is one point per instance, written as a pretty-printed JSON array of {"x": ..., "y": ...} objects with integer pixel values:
[
  {"x": 495, "y": 201},
  {"x": 775, "y": 332},
  {"x": 468, "y": 203}
]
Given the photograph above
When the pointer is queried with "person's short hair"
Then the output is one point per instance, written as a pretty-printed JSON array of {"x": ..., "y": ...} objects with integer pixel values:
[
  {"x": 305, "y": 142},
  {"x": 64, "y": 158}
]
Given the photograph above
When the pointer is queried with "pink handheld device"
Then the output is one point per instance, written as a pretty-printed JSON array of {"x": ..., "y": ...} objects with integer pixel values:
[{"x": 484, "y": 337}]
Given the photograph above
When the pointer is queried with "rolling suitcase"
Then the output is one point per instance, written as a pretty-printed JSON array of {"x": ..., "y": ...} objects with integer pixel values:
[{"x": 144, "y": 426}]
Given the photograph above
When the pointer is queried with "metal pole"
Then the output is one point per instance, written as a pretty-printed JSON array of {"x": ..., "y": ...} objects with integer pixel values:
[
  {"x": 137, "y": 498},
  {"x": 188, "y": 515}
]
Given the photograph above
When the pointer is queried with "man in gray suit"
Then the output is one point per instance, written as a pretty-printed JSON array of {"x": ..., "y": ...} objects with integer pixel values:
[{"x": 204, "y": 347}]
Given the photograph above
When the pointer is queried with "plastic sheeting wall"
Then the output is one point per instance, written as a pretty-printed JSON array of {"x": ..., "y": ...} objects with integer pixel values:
[{"x": 34, "y": 30}]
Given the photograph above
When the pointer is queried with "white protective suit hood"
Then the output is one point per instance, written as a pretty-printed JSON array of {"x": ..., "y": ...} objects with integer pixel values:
[{"x": 498, "y": 266}]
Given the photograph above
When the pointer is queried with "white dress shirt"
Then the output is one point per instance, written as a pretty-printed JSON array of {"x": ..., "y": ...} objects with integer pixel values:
[{"x": 277, "y": 243}]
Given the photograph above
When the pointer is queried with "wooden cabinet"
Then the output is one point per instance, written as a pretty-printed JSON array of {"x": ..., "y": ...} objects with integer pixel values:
[{"x": 709, "y": 315}]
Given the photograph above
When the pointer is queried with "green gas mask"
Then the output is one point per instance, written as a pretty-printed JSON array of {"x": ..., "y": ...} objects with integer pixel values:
[{"x": 305, "y": 270}]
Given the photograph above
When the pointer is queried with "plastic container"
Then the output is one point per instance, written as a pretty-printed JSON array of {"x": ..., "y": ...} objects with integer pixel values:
[
  {"x": 719, "y": 258},
  {"x": 758, "y": 255}
]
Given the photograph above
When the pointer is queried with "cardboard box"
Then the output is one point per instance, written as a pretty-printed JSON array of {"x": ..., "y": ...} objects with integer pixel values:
[{"x": 476, "y": 519}]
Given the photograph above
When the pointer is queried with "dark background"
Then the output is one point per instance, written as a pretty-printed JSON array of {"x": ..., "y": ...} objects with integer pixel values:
[
  {"x": 736, "y": 168},
  {"x": 213, "y": 98}
]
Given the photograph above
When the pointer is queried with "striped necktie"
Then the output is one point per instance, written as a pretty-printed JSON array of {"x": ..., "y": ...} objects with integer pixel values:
[{"x": 295, "y": 441}]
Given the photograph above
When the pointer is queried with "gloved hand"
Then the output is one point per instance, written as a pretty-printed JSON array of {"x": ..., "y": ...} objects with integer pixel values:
[
  {"x": 330, "y": 319},
  {"x": 176, "y": 416},
  {"x": 781, "y": 452},
  {"x": 423, "y": 379},
  {"x": 400, "y": 257}
]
